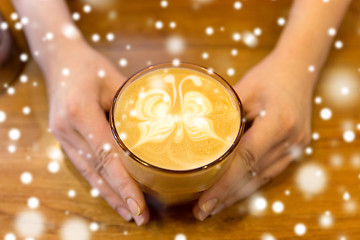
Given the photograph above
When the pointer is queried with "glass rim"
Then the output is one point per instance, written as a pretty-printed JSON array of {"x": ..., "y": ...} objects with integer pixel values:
[{"x": 183, "y": 171}]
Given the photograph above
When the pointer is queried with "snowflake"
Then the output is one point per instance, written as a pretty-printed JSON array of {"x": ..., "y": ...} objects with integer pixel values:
[
  {"x": 2, "y": 116},
  {"x": 53, "y": 167},
  {"x": 257, "y": 204},
  {"x": 26, "y": 178},
  {"x": 87, "y": 8},
  {"x": 180, "y": 236},
  {"x": 71, "y": 193},
  {"x": 237, "y": 5},
  {"x": 30, "y": 224},
  {"x": 123, "y": 62},
  {"x": 159, "y": 24},
  {"x": 281, "y": 21},
  {"x": 33, "y": 202},
  {"x": 311, "y": 179},
  {"x": 278, "y": 207},
  {"x": 75, "y": 228},
  {"x": 349, "y": 136},
  {"x": 300, "y": 229},
  {"x": 325, "y": 113},
  {"x": 14, "y": 134},
  {"x": 175, "y": 44},
  {"x": 209, "y": 31}
]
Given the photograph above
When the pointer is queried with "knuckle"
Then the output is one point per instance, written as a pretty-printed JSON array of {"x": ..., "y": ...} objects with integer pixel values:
[
  {"x": 104, "y": 157},
  {"x": 304, "y": 138},
  {"x": 100, "y": 169},
  {"x": 85, "y": 172},
  {"x": 106, "y": 195},
  {"x": 266, "y": 179},
  {"x": 57, "y": 125},
  {"x": 122, "y": 185},
  {"x": 248, "y": 160},
  {"x": 288, "y": 123},
  {"x": 72, "y": 110}
]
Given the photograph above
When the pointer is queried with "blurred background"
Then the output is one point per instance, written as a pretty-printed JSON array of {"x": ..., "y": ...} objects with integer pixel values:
[{"x": 42, "y": 196}]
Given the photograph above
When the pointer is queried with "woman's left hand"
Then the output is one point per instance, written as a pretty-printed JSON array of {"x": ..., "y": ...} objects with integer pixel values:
[{"x": 277, "y": 98}]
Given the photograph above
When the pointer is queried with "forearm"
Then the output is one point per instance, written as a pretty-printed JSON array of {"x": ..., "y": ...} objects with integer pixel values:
[
  {"x": 306, "y": 36},
  {"x": 50, "y": 31}
]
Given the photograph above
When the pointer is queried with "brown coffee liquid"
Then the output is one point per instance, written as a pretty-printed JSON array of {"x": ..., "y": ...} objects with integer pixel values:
[{"x": 177, "y": 118}]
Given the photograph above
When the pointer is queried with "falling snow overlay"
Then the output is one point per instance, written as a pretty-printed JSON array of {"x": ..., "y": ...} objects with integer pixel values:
[{"x": 46, "y": 194}]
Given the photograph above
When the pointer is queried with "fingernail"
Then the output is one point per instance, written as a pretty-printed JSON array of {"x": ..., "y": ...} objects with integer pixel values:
[
  {"x": 202, "y": 215},
  {"x": 124, "y": 213},
  {"x": 218, "y": 209},
  {"x": 133, "y": 206},
  {"x": 139, "y": 220},
  {"x": 208, "y": 206}
]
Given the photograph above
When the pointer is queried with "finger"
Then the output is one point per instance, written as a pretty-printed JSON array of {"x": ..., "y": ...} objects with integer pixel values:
[
  {"x": 103, "y": 144},
  {"x": 277, "y": 152},
  {"x": 253, "y": 146},
  {"x": 256, "y": 182},
  {"x": 261, "y": 138},
  {"x": 78, "y": 143},
  {"x": 73, "y": 138},
  {"x": 97, "y": 182},
  {"x": 143, "y": 218},
  {"x": 94, "y": 164},
  {"x": 221, "y": 190},
  {"x": 288, "y": 147}
]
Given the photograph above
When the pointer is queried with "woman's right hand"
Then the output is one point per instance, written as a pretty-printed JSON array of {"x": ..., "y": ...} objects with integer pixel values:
[{"x": 81, "y": 84}]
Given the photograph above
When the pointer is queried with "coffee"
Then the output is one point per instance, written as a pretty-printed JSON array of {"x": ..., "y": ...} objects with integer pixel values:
[{"x": 177, "y": 118}]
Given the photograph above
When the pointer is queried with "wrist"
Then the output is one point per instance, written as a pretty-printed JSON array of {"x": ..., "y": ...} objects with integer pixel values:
[
  {"x": 58, "y": 53},
  {"x": 299, "y": 54},
  {"x": 297, "y": 67}
]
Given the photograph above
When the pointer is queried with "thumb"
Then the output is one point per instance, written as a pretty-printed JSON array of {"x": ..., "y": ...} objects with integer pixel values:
[
  {"x": 248, "y": 94},
  {"x": 261, "y": 137},
  {"x": 112, "y": 81},
  {"x": 254, "y": 145}
]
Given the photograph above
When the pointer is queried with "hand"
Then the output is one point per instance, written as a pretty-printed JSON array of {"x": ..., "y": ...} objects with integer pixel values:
[
  {"x": 276, "y": 95},
  {"x": 79, "y": 100}
]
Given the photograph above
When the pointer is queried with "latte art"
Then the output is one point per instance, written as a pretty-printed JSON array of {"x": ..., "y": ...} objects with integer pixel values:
[
  {"x": 177, "y": 118},
  {"x": 158, "y": 119}
]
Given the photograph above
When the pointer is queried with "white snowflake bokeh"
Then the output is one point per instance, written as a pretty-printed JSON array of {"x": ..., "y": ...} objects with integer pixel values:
[
  {"x": 26, "y": 178},
  {"x": 267, "y": 236},
  {"x": 300, "y": 229},
  {"x": 278, "y": 207},
  {"x": 75, "y": 228},
  {"x": 180, "y": 236},
  {"x": 30, "y": 224},
  {"x": 311, "y": 178},
  {"x": 33, "y": 202},
  {"x": 10, "y": 236},
  {"x": 53, "y": 166},
  {"x": 175, "y": 45},
  {"x": 326, "y": 220},
  {"x": 257, "y": 204},
  {"x": 2, "y": 116}
]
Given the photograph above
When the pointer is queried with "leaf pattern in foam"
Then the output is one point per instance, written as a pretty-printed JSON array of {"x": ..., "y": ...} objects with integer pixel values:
[
  {"x": 155, "y": 131},
  {"x": 153, "y": 108},
  {"x": 196, "y": 107},
  {"x": 154, "y": 104}
]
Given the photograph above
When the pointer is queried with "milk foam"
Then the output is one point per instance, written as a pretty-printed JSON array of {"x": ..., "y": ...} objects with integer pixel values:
[{"x": 173, "y": 118}]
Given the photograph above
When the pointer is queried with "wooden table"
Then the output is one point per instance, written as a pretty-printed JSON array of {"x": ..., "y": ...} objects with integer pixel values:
[{"x": 335, "y": 161}]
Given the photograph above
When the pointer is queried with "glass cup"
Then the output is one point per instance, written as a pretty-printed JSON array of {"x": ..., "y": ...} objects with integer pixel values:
[{"x": 168, "y": 186}]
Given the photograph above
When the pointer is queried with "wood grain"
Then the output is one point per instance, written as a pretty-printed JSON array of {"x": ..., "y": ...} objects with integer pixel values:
[{"x": 132, "y": 22}]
